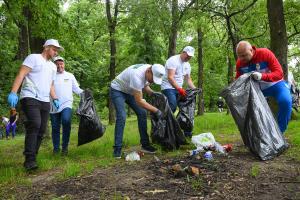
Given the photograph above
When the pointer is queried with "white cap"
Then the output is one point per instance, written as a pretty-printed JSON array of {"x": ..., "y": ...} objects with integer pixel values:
[
  {"x": 58, "y": 58},
  {"x": 53, "y": 42},
  {"x": 189, "y": 50},
  {"x": 158, "y": 72}
]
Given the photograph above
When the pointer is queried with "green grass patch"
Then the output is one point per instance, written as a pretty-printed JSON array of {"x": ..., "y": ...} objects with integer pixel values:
[{"x": 254, "y": 170}]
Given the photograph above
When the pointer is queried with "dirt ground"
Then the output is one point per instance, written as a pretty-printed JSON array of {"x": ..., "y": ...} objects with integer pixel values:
[{"x": 238, "y": 175}]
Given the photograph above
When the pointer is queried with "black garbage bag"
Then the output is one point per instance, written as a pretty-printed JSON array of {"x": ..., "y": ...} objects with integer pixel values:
[
  {"x": 165, "y": 131},
  {"x": 187, "y": 106},
  {"x": 90, "y": 126},
  {"x": 295, "y": 96},
  {"x": 255, "y": 121}
]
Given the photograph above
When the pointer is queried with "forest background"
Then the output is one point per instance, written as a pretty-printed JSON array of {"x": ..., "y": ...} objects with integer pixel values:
[{"x": 102, "y": 37}]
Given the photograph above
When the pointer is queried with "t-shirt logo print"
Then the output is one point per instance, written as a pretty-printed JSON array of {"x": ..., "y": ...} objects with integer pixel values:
[{"x": 257, "y": 67}]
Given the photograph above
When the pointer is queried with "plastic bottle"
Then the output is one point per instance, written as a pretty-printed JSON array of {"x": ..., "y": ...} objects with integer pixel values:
[
  {"x": 219, "y": 148},
  {"x": 195, "y": 151},
  {"x": 208, "y": 155},
  {"x": 133, "y": 156}
]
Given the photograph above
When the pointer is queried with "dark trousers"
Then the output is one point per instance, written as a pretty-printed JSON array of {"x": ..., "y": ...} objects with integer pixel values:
[{"x": 37, "y": 114}]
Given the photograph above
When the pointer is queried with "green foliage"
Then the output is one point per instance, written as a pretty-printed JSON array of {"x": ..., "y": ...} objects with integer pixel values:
[
  {"x": 255, "y": 170},
  {"x": 197, "y": 183},
  {"x": 142, "y": 36}
]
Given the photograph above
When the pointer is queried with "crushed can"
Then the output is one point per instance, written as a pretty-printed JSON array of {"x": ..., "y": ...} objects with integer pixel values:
[
  {"x": 208, "y": 155},
  {"x": 227, "y": 147}
]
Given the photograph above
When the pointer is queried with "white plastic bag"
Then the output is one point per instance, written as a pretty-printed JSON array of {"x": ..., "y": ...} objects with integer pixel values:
[
  {"x": 133, "y": 156},
  {"x": 203, "y": 140}
]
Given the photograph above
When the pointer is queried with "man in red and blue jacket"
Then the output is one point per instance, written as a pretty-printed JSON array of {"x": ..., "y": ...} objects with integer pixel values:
[{"x": 268, "y": 71}]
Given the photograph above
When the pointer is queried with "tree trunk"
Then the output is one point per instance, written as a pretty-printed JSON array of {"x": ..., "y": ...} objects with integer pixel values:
[
  {"x": 23, "y": 38},
  {"x": 112, "y": 23},
  {"x": 230, "y": 76},
  {"x": 174, "y": 27},
  {"x": 279, "y": 43},
  {"x": 200, "y": 72},
  {"x": 231, "y": 37}
]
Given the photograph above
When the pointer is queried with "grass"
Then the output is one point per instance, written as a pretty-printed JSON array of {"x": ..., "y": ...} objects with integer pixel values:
[
  {"x": 254, "y": 171},
  {"x": 84, "y": 159}
]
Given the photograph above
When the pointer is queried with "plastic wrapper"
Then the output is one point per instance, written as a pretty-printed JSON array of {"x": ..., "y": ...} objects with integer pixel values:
[
  {"x": 255, "y": 121},
  {"x": 133, "y": 156},
  {"x": 186, "y": 114},
  {"x": 90, "y": 126},
  {"x": 165, "y": 131}
]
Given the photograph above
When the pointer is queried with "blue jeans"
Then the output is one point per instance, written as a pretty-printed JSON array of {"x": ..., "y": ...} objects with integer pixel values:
[
  {"x": 119, "y": 99},
  {"x": 173, "y": 96},
  {"x": 281, "y": 92},
  {"x": 11, "y": 127},
  {"x": 64, "y": 117}
]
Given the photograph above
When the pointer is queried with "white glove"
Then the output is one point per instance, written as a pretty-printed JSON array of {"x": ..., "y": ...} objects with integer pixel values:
[{"x": 257, "y": 76}]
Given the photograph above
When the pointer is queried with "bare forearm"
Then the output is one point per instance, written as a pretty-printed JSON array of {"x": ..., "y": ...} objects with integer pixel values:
[
  {"x": 24, "y": 70},
  {"x": 173, "y": 82},
  {"x": 148, "y": 90},
  {"x": 191, "y": 84},
  {"x": 52, "y": 92},
  {"x": 147, "y": 106},
  {"x": 17, "y": 83}
]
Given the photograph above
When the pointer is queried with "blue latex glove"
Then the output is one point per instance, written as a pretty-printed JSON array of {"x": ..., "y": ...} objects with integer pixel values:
[
  {"x": 12, "y": 99},
  {"x": 56, "y": 103}
]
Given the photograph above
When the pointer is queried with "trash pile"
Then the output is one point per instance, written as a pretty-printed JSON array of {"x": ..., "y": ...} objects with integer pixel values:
[
  {"x": 198, "y": 161},
  {"x": 205, "y": 142}
]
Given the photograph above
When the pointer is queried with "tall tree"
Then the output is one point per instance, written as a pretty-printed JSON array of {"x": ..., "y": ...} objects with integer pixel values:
[
  {"x": 112, "y": 24},
  {"x": 279, "y": 43},
  {"x": 175, "y": 23},
  {"x": 20, "y": 18},
  {"x": 200, "y": 71}
]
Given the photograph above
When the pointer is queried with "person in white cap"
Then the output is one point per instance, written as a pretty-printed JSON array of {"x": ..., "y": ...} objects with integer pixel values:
[
  {"x": 36, "y": 75},
  {"x": 128, "y": 88},
  {"x": 178, "y": 69},
  {"x": 64, "y": 84}
]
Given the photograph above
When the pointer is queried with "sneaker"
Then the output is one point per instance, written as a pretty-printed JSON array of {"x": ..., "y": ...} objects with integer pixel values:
[
  {"x": 117, "y": 153},
  {"x": 30, "y": 165},
  {"x": 64, "y": 152},
  {"x": 56, "y": 151},
  {"x": 148, "y": 149}
]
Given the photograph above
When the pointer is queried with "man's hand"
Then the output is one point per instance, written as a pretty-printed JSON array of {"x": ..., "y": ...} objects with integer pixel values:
[
  {"x": 158, "y": 114},
  {"x": 181, "y": 92},
  {"x": 257, "y": 76},
  {"x": 12, "y": 99},
  {"x": 56, "y": 103}
]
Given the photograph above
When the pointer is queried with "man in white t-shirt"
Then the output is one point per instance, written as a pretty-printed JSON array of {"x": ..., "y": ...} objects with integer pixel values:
[
  {"x": 64, "y": 84},
  {"x": 128, "y": 88},
  {"x": 36, "y": 75},
  {"x": 178, "y": 70}
]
